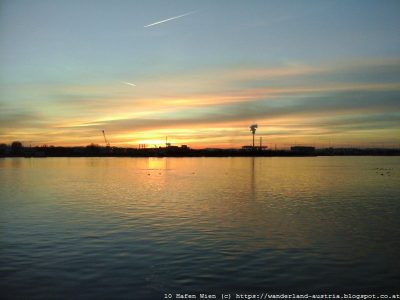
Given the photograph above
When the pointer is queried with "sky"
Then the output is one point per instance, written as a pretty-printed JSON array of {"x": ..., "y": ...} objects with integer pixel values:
[{"x": 322, "y": 73}]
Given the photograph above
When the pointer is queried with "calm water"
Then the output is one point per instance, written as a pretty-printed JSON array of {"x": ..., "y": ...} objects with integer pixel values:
[{"x": 101, "y": 228}]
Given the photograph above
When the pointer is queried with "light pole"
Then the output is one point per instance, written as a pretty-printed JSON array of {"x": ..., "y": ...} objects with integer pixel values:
[{"x": 253, "y": 129}]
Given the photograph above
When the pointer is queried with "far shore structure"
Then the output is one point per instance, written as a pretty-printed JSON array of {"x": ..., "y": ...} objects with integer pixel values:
[{"x": 17, "y": 149}]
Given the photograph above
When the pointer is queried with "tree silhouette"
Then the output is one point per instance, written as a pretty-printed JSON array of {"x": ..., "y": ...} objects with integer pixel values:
[{"x": 16, "y": 147}]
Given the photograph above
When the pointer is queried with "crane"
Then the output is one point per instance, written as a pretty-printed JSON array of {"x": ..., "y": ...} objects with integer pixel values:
[{"x": 105, "y": 139}]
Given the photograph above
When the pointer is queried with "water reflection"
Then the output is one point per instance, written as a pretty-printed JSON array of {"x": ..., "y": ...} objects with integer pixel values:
[
  {"x": 156, "y": 163},
  {"x": 166, "y": 223}
]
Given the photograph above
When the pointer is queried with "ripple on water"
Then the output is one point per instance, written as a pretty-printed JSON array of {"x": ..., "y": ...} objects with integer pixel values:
[{"x": 105, "y": 228}]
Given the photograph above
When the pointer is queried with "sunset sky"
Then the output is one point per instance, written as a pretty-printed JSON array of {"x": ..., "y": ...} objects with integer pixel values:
[{"x": 307, "y": 72}]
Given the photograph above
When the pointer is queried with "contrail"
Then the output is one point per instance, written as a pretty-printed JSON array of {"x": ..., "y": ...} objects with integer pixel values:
[
  {"x": 173, "y": 18},
  {"x": 128, "y": 83}
]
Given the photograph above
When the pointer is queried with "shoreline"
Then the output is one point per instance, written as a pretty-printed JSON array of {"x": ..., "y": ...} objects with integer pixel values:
[{"x": 184, "y": 151}]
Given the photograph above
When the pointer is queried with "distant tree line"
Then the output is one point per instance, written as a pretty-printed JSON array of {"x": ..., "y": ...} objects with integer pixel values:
[{"x": 17, "y": 149}]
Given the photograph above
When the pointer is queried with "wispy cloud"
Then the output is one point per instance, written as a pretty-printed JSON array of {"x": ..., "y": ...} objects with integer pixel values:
[
  {"x": 328, "y": 105},
  {"x": 291, "y": 101}
]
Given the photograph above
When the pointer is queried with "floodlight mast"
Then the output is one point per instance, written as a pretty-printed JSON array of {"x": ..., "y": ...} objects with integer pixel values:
[{"x": 253, "y": 129}]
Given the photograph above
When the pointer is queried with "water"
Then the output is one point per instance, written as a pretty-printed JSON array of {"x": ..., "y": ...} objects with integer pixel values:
[{"x": 137, "y": 228}]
